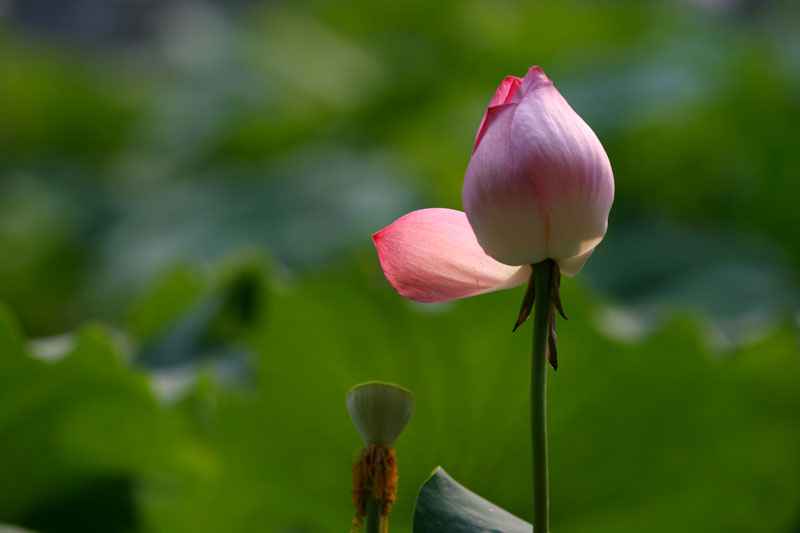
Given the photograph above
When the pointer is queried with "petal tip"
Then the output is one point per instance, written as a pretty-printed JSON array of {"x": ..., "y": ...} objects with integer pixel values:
[
  {"x": 405, "y": 290},
  {"x": 535, "y": 78},
  {"x": 386, "y": 265},
  {"x": 536, "y": 72},
  {"x": 376, "y": 237}
]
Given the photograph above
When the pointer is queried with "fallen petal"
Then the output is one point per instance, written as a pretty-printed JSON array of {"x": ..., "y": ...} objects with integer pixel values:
[{"x": 432, "y": 255}]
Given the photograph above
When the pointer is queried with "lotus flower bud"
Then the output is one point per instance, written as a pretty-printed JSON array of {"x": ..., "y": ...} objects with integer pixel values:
[{"x": 539, "y": 184}]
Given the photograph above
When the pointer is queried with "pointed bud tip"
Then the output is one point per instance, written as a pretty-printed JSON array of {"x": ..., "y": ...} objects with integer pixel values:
[{"x": 379, "y": 411}]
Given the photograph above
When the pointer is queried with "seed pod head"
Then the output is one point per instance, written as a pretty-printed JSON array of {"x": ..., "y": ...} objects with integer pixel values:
[{"x": 379, "y": 411}]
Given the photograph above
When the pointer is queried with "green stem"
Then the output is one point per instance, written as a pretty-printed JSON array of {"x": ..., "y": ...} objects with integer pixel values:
[
  {"x": 373, "y": 515},
  {"x": 542, "y": 278}
]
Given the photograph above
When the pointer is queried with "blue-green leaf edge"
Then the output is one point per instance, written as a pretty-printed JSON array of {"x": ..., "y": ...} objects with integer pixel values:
[{"x": 445, "y": 506}]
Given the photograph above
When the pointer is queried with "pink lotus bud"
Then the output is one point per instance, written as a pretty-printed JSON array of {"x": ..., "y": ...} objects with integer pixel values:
[{"x": 539, "y": 184}]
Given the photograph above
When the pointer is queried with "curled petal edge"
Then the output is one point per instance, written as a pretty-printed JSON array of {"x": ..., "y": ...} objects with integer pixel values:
[
  {"x": 432, "y": 255},
  {"x": 502, "y": 96},
  {"x": 572, "y": 265}
]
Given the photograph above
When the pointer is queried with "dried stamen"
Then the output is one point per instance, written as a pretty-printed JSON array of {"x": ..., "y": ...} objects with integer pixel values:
[{"x": 375, "y": 475}]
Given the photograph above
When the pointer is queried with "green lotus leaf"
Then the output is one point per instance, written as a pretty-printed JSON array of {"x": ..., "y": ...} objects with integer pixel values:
[{"x": 445, "y": 506}]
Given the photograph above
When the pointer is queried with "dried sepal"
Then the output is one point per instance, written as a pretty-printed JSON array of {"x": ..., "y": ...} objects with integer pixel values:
[{"x": 527, "y": 303}]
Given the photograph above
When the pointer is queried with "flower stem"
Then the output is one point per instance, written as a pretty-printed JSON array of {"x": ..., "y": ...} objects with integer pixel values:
[
  {"x": 373, "y": 515},
  {"x": 542, "y": 278}
]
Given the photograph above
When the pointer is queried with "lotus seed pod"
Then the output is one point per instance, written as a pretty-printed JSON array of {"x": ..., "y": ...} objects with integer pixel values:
[{"x": 379, "y": 411}]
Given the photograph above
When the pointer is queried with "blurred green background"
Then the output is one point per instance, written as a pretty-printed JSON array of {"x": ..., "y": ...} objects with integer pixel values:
[{"x": 187, "y": 194}]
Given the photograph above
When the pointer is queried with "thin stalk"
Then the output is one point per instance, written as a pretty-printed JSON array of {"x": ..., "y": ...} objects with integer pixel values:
[
  {"x": 542, "y": 278},
  {"x": 373, "y": 515}
]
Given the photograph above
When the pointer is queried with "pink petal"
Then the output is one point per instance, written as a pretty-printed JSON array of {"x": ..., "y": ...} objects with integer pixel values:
[
  {"x": 533, "y": 79},
  {"x": 502, "y": 95},
  {"x": 506, "y": 91},
  {"x": 573, "y": 177},
  {"x": 432, "y": 255},
  {"x": 501, "y": 206},
  {"x": 572, "y": 265}
]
